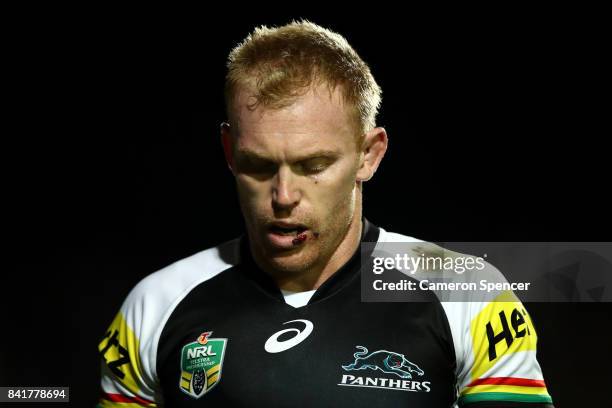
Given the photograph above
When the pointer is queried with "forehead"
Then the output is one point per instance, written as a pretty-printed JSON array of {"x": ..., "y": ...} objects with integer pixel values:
[{"x": 319, "y": 118}]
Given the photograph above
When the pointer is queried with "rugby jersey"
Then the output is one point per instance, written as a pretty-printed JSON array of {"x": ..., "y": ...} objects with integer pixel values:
[{"x": 214, "y": 330}]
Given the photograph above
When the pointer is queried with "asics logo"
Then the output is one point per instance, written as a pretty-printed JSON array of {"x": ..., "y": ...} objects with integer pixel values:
[{"x": 274, "y": 346}]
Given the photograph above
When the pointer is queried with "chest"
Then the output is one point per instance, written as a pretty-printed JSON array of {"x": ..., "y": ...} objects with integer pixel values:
[{"x": 336, "y": 352}]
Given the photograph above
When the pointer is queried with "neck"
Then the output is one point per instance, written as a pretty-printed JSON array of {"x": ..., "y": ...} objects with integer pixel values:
[{"x": 343, "y": 253}]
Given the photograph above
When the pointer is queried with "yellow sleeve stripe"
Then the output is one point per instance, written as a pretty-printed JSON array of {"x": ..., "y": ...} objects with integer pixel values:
[{"x": 505, "y": 388}]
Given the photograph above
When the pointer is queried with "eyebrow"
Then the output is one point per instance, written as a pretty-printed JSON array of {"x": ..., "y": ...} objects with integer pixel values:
[{"x": 252, "y": 155}]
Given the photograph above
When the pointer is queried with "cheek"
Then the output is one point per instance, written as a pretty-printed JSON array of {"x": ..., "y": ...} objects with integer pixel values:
[
  {"x": 336, "y": 192},
  {"x": 343, "y": 182},
  {"x": 248, "y": 188},
  {"x": 251, "y": 194},
  {"x": 340, "y": 176}
]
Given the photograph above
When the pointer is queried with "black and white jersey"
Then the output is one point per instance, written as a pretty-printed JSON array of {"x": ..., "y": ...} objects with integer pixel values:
[{"x": 215, "y": 330}]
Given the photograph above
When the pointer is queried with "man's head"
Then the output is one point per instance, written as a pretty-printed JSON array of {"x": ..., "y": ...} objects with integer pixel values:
[
  {"x": 277, "y": 65},
  {"x": 300, "y": 141}
]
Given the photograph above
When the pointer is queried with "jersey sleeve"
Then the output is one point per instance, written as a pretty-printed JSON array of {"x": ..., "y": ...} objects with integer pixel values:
[
  {"x": 495, "y": 345},
  {"x": 127, "y": 378},
  {"x": 493, "y": 336},
  {"x": 499, "y": 361}
]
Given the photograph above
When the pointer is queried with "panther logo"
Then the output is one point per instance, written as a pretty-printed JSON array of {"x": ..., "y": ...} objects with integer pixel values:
[{"x": 385, "y": 361}]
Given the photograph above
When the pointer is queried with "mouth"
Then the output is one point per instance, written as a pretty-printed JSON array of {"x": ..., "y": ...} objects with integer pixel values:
[
  {"x": 285, "y": 229},
  {"x": 284, "y": 235}
]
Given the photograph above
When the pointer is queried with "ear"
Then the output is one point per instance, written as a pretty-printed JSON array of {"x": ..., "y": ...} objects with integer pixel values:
[
  {"x": 372, "y": 152},
  {"x": 228, "y": 144}
]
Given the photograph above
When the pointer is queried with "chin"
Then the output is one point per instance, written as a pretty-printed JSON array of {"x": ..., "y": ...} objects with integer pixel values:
[{"x": 294, "y": 261}]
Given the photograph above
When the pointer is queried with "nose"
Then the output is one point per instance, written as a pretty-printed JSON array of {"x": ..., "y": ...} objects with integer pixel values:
[{"x": 285, "y": 193}]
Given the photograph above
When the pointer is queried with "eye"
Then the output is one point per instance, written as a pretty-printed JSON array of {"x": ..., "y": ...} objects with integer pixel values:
[
  {"x": 255, "y": 166},
  {"x": 316, "y": 165}
]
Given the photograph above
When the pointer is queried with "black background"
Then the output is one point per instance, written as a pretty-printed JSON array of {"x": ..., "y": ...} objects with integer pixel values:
[{"x": 112, "y": 166}]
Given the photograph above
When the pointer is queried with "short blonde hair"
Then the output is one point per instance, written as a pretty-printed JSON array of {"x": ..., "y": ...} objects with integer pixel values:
[{"x": 278, "y": 65}]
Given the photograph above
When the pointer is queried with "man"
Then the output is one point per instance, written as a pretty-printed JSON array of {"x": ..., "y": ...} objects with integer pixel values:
[{"x": 275, "y": 318}]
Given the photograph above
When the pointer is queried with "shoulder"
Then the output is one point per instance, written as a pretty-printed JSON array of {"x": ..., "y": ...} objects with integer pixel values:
[
  {"x": 129, "y": 347},
  {"x": 149, "y": 305},
  {"x": 494, "y": 338},
  {"x": 387, "y": 236},
  {"x": 432, "y": 261},
  {"x": 170, "y": 282}
]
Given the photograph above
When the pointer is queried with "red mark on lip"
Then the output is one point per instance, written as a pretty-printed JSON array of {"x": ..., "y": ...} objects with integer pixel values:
[{"x": 299, "y": 239}]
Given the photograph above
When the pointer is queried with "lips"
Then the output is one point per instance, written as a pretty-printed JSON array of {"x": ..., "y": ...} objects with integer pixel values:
[
  {"x": 282, "y": 234},
  {"x": 284, "y": 228}
]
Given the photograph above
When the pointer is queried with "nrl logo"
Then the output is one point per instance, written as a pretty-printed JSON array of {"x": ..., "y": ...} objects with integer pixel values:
[
  {"x": 388, "y": 362},
  {"x": 201, "y": 363}
]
